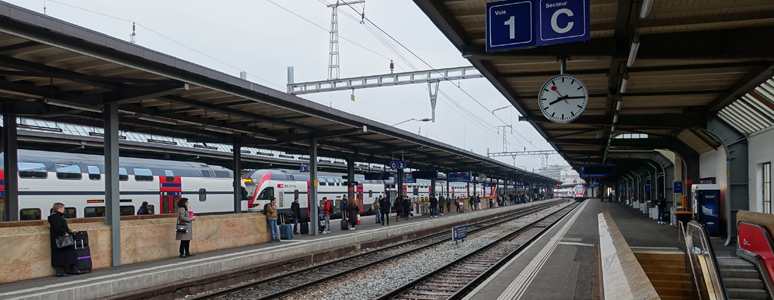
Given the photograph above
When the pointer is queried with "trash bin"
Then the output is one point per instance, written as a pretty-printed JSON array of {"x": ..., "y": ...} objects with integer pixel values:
[{"x": 683, "y": 217}]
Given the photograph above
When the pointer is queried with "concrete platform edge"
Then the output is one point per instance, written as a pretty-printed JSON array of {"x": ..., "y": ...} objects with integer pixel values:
[
  {"x": 124, "y": 282},
  {"x": 623, "y": 277}
]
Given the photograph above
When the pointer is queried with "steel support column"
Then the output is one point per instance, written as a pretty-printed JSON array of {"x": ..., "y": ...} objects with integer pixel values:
[
  {"x": 350, "y": 179},
  {"x": 112, "y": 197},
  {"x": 237, "y": 178},
  {"x": 10, "y": 166},
  {"x": 737, "y": 191},
  {"x": 313, "y": 203},
  {"x": 399, "y": 183},
  {"x": 447, "y": 187}
]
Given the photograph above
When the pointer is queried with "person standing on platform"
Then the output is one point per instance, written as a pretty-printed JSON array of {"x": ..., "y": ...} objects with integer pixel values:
[
  {"x": 271, "y": 217},
  {"x": 433, "y": 206},
  {"x": 441, "y": 201},
  {"x": 406, "y": 207},
  {"x": 448, "y": 204},
  {"x": 398, "y": 208},
  {"x": 328, "y": 211},
  {"x": 377, "y": 211},
  {"x": 65, "y": 256},
  {"x": 343, "y": 207},
  {"x": 143, "y": 209},
  {"x": 321, "y": 214},
  {"x": 661, "y": 203},
  {"x": 295, "y": 208},
  {"x": 352, "y": 211},
  {"x": 384, "y": 205},
  {"x": 183, "y": 217}
]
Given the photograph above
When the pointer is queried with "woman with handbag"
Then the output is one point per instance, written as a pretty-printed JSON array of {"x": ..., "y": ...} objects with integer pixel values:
[
  {"x": 62, "y": 248},
  {"x": 184, "y": 229}
]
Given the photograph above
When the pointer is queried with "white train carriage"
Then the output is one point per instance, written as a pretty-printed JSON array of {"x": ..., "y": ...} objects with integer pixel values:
[
  {"x": 77, "y": 180},
  {"x": 579, "y": 192}
]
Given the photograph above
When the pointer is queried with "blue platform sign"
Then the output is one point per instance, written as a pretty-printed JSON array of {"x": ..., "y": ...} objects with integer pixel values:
[
  {"x": 416, "y": 191},
  {"x": 647, "y": 188},
  {"x": 528, "y": 23},
  {"x": 678, "y": 188},
  {"x": 459, "y": 233},
  {"x": 459, "y": 176},
  {"x": 303, "y": 168},
  {"x": 397, "y": 164}
]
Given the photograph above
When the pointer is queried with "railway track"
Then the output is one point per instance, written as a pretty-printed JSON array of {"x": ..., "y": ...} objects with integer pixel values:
[
  {"x": 458, "y": 277},
  {"x": 285, "y": 284}
]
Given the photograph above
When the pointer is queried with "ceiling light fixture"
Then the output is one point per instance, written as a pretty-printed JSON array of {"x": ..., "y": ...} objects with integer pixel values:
[
  {"x": 633, "y": 51},
  {"x": 645, "y": 11}
]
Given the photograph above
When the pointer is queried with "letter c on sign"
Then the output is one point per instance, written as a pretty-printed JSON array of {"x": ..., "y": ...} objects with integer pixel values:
[{"x": 556, "y": 27}]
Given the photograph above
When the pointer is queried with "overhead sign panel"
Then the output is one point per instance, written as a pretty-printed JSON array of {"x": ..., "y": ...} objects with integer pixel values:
[
  {"x": 597, "y": 171},
  {"x": 425, "y": 174},
  {"x": 528, "y": 23},
  {"x": 459, "y": 176}
]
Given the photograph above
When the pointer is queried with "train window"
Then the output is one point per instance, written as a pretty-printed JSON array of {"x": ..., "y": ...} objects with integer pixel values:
[
  {"x": 143, "y": 174},
  {"x": 32, "y": 170},
  {"x": 94, "y": 211},
  {"x": 202, "y": 195},
  {"x": 370, "y": 194},
  {"x": 122, "y": 174},
  {"x": 150, "y": 209},
  {"x": 266, "y": 193},
  {"x": 295, "y": 194},
  {"x": 170, "y": 175},
  {"x": 223, "y": 174},
  {"x": 127, "y": 210},
  {"x": 29, "y": 214},
  {"x": 68, "y": 171},
  {"x": 69, "y": 213},
  {"x": 94, "y": 173}
]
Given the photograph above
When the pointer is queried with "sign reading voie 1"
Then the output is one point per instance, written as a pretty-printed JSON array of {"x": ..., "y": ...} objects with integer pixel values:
[{"x": 528, "y": 23}]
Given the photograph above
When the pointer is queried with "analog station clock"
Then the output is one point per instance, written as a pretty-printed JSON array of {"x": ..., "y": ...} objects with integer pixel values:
[{"x": 563, "y": 98}]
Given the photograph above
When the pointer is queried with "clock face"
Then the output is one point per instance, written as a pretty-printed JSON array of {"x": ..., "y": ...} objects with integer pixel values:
[{"x": 563, "y": 98}]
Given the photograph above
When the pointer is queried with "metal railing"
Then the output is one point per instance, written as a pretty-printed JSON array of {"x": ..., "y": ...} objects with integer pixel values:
[{"x": 705, "y": 271}]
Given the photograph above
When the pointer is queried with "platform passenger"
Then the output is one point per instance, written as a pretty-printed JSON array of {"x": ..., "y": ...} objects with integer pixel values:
[
  {"x": 328, "y": 211},
  {"x": 183, "y": 217},
  {"x": 295, "y": 209},
  {"x": 352, "y": 211},
  {"x": 143, "y": 209},
  {"x": 60, "y": 258},
  {"x": 384, "y": 206},
  {"x": 343, "y": 206},
  {"x": 448, "y": 204},
  {"x": 433, "y": 206},
  {"x": 661, "y": 203},
  {"x": 271, "y": 218},
  {"x": 406, "y": 207},
  {"x": 377, "y": 212}
]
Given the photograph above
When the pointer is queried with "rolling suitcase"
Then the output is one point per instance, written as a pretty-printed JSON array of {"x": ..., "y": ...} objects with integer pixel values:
[
  {"x": 344, "y": 224},
  {"x": 81, "y": 238},
  {"x": 286, "y": 232},
  {"x": 304, "y": 228},
  {"x": 83, "y": 256}
]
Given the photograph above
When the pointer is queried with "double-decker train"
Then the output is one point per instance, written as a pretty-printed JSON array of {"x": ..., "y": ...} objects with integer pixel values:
[
  {"x": 579, "y": 192},
  {"x": 78, "y": 181}
]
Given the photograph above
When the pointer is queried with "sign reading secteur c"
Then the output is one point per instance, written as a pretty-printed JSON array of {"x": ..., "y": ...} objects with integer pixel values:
[{"x": 514, "y": 24}]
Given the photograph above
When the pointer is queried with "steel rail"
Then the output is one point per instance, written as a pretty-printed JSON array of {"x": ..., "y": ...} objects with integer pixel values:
[
  {"x": 345, "y": 271},
  {"x": 406, "y": 288}
]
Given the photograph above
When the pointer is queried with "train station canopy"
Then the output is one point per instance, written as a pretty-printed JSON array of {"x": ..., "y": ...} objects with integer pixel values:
[
  {"x": 60, "y": 72},
  {"x": 692, "y": 61}
]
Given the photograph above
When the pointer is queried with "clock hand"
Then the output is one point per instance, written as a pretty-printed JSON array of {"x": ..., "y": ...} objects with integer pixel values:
[
  {"x": 560, "y": 95},
  {"x": 565, "y": 99}
]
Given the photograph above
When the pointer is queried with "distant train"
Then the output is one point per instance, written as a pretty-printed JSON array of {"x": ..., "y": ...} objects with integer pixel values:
[
  {"x": 579, "y": 192},
  {"x": 77, "y": 181},
  {"x": 286, "y": 185}
]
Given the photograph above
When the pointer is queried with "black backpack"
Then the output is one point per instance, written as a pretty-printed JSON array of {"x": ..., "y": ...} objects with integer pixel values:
[{"x": 265, "y": 208}]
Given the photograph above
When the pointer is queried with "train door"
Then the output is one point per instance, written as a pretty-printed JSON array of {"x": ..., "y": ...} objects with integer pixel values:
[{"x": 170, "y": 190}]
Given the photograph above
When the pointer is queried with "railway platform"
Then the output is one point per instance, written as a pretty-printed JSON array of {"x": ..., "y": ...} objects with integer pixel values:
[
  {"x": 144, "y": 280},
  {"x": 569, "y": 253}
]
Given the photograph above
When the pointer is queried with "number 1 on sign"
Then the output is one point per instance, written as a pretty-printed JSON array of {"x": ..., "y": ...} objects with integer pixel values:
[{"x": 512, "y": 26}]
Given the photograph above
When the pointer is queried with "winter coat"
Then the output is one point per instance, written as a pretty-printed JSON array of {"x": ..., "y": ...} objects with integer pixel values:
[
  {"x": 271, "y": 212},
  {"x": 65, "y": 256},
  {"x": 295, "y": 208},
  {"x": 433, "y": 202},
  {"x": 183, "y": 217},
  {"x": 384, "y": 206},
  {"x": 377, "y": 205},
  {"x": 143, "y": 211},
  {"x": 398, "y": 206},
  {"x": 352, "y": 211},
  {"x": 328, "y": 208}
]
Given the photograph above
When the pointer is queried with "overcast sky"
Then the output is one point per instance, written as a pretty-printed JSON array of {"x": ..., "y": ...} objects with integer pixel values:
[{"x": 264, "y": 37}]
